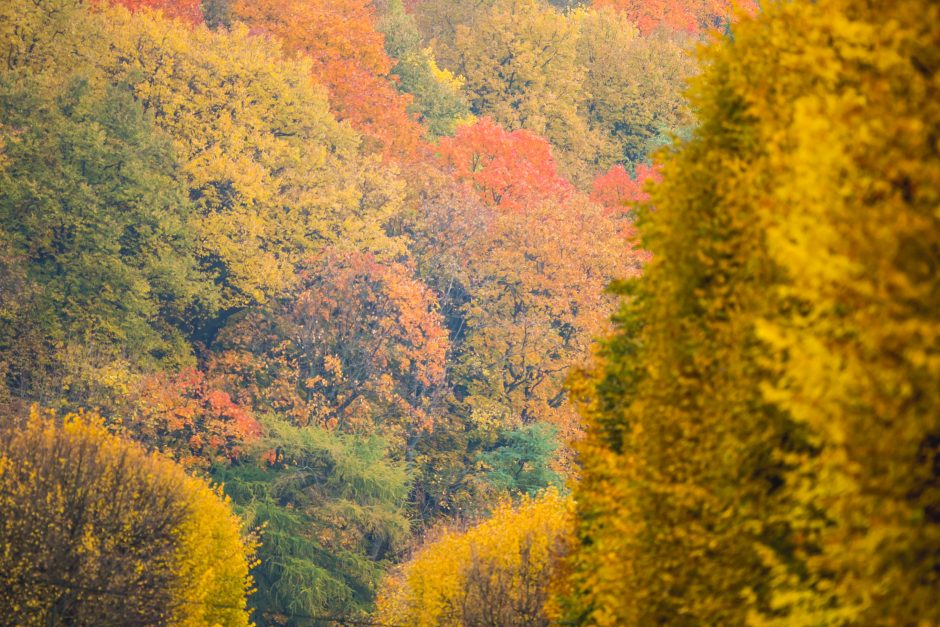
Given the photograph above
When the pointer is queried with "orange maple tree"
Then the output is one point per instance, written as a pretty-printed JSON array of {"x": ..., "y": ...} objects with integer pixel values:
[
  {"x": 359, "y": 347},
  {"x": 348, "y": 58},
  {"x": 678, "y": 15},
  {"x": 187, "y": 10},
  {"x": 188, "y": 418},
  {"x": 618, "y": 192},
  {"x": 507, "y": 169}
]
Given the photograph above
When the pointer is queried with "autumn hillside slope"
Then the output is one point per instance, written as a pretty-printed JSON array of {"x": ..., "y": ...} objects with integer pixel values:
[{"x": 329, "y": 283}]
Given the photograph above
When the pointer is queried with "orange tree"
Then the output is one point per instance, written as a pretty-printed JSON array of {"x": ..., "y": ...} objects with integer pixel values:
[
  {"x": 680, "y": 15},
  {"x": 347, "y": 56},
  {"x": 358, "y": 347}
]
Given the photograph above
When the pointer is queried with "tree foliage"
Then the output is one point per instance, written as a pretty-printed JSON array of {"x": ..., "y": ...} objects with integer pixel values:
[
  {"x": 438, "y": 99},
  {"x": 271, "y": 172},
  {"x": 95, "y": 531},
  {"x": 358, "y": 347},
  {"x": 347, "y": 56},
  {"x": 330, "y": 509},
  {"x": 632, "y": 86},
  {"x": 497, "y": 573},
  {"x": 679, "y": 15},
  {"x": 762, "y": 427},
  {"x": 94, "y": 212},
  {"x": 186, "y": 10},
  {"x": 221, "y": 226}
]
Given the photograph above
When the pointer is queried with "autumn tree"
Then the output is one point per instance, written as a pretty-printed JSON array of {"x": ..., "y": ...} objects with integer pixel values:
[
  {"x": 95, "y": 531},
  {"x": 519, "y": 60},
  {"x": 358, "y": 347},
  {"x": 679, "y": 15},
  {"x": 186, "y": 10},
  {"x": 187, "y": 418},
  {"x": 438, "y": 100},
  {"x": 632, "y": 87},
  {"x": 250, "y": 159},
  {"x": 620, "y": 194},
  {"x": 496, "y": 573},
  {"x": 762, "y": 428},
  {"x": 507, "y": 169},
  {"x": 438, "y": 21},
  {"x": 347, "y": 56},
  {"x": 535, "y": 295},
  {"x": 93, "y": 209}
]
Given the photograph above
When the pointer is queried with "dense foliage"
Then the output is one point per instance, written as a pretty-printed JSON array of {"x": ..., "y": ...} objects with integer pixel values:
[
  {"x": 314, "y": 250},
  {"x": 763, "y": 427},
  {"x": 97, "y": 532},
  {"x": 344, "y": 257},
  {"x": 497, "y": 573}
]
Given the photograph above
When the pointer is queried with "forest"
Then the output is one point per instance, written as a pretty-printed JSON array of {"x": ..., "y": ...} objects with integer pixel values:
[{"x": 470, "y": 312}]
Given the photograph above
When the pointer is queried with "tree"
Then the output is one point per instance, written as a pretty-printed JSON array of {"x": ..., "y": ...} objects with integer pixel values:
[
  {"x": 437, "y": 94},
  {"x": 347, "y": 56},
  {"x": 188, "y": 419},
  {"x": 331, "y": 507},
  {"x": 519, "y": 60},
  {"x": 632, "y": 87},
  {"x": 359, "y": 347},
  {"x": 438, "y": 21},
  {"x": 507, "y": 169},
  {"x": 273, "y": 176},
  {"x": 31, "y": 34},
  {"x": 92, "y": 207},
  {"x": 761, "y": 441},
  {"x": 679, "y": 15},
  {"x": 620, "y": 194},
  {"x": 496, "y": 573},
  {"x": 520, "y": 461},
  {"x": 95, "y": 531},
  {"x": 541, "y": 258}
]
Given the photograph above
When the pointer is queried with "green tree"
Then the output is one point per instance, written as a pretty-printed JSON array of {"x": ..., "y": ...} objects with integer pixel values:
[
  {"x": 332, "y": 510},
  {"x": 438, "y": 97},
  {"x": 92, "y": 206},
  {"x": 520, "y": 461}
]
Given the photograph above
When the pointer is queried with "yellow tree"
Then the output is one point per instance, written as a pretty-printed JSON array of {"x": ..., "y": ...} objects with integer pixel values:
[
  {"x": 272, "y": 172},
  {"x": 519, "y": 61},
  {"x": 499, "y": 572},
  {"x": 96, "y": 531},
  {"x": 632, "y": 87},
  {"x": 762, "y": 443}
]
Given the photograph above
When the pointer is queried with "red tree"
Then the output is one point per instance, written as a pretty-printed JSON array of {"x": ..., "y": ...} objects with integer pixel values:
[
  {"x": 617, "y": 192},
  {"x": 678, "y": 15},
  {"x": 189, "y": 419},
  {"x": 506, "y": 169}
]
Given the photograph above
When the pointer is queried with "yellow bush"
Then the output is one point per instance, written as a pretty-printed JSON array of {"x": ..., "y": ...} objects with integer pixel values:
[{"x": 499, "y": 572}]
